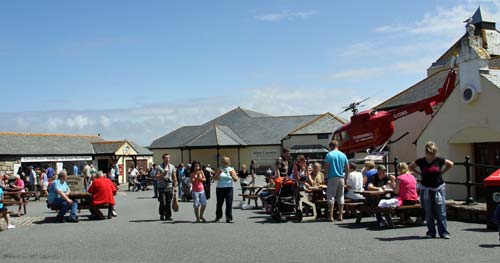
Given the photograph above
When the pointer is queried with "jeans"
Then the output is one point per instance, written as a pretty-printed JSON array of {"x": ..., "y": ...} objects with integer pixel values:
[
  {"x": 243, "y": 189},
  {"x": 224, "y": 194},
  {"x": 155, "y": 188},
  {"x": 63, "y": 207},
  {"x": 165, "y": 197},
  {"x": 435, "y": 210},
  {"x": 180, "y": 185}
]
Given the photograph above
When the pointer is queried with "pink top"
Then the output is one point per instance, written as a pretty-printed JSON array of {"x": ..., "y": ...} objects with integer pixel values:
[
  {"x": 407, "y": 188},
  {"x": 20, "y": 184},
  {"x": 198, "y": 186}
]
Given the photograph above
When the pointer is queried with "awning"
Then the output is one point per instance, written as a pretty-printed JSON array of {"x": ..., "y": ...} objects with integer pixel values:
[{"x": 315, "y": 148}]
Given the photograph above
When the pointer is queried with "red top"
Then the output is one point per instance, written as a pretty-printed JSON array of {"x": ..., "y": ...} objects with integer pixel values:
[
  {"x": 493, "y": 179},
  {"x": 103, "y": 191}
]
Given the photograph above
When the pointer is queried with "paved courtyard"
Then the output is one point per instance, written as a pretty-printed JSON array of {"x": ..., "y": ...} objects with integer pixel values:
[{"x": 137, "y": 235}]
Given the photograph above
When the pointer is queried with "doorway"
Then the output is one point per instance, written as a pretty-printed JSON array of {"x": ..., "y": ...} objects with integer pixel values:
[{"x": 485, "y": 154}]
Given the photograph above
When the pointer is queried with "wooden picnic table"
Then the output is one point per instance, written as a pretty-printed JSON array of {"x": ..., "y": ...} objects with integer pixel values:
[
  {"x": 254, "y": 191},
  {"x": 85, "y": 202},
  {"x": 16, "y": 197}
]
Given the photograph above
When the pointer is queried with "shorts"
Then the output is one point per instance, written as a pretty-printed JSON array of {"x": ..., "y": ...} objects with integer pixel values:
[
  {"x": 335, "y": 190},
  {"x": 199, "y": 199},
  {"x": 3, "y": 209},
  {"x": 45, "y": 186}
]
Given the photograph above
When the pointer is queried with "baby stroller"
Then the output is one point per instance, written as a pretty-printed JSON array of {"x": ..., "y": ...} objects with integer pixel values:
[
  {"x": 287, "y": 201},
  {"x": 186, "y": 190}
]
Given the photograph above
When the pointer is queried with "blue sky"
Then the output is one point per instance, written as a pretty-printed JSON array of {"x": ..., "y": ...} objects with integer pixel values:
[{"x": 139, "y": 69}]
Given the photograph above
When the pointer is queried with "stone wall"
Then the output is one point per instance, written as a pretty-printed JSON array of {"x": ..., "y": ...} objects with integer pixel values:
[{"x": 7, "y": 165}]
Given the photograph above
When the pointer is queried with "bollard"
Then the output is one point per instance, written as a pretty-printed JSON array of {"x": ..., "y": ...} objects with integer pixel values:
[{"x": 469, "y": 200}]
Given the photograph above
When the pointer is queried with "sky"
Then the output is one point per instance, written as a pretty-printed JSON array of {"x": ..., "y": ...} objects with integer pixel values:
[{"x": 137, "y": 70}]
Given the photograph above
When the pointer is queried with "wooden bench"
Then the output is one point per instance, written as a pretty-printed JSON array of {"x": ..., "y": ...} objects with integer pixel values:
[
  {"x": 12, "y": 202},
  {"x": 251, "y": 197},
  {"x": 99, "y": 214}
]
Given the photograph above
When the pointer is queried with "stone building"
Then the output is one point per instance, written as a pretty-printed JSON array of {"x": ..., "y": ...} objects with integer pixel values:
[
  {"x": 62, "y": 151},
  {"x": 245, "y": 135}
]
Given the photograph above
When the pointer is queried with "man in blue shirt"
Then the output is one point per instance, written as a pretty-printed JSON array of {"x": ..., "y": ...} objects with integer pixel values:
[
  {"x": 337, "y": 166},
  {"x": 58, "y": 198}
]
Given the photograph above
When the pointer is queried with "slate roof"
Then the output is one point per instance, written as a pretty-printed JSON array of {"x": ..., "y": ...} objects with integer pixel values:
[
  {"x": 237, "y": 127},
  {"x": 326, "y": 123},
  {"x": 46, "y": 144},
  {"x": 110, "y": 147},
  {"x": 422, "y": 90},
  {"x": 22, "y": 144}
]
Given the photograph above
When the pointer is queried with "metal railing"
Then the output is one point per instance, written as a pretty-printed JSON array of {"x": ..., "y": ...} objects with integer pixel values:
[{"x": 468, "y": 184}]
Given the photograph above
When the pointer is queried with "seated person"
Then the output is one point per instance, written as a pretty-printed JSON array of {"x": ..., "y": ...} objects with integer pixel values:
[
  {"x": 405, "y": 189},
  {"x": 380, "y": 182},
  {"x": 3, "y": 210},
  {"x": 316, "y": 178},
  {"x": 368, "y": 173},
  {"x": 354, "y": 183},
  {"x": 58, "y": 199},
  {"x": 103, "y": 191}
]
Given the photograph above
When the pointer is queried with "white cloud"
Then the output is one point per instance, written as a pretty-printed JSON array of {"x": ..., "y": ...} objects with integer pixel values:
[
  {"x": 405, "y": 66},
  {"x": 104, "y": 121},
  {"x": 78, "y": 121},
  {"x": 285, "y": 15}
]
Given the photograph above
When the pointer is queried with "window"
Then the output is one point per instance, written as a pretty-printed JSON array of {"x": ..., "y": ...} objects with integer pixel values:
[
  {"x": 323, "y": 136},
  {"x": 345, "y": 136}
]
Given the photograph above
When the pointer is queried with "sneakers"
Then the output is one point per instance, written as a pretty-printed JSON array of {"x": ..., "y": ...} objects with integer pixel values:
[
  {"x": 113, "y": 213},
  {"x": 217, "y": 220},
  {"x": 162, "y": 218},
  {"x": 382, "y": 224},
  {"x": 446, "y": 236},
  {"x": 229, "y": 221},
  {"x": 428, "y": 235},
  {"x": 11, "y": 226},
  {"x": 72, "y": 220}
]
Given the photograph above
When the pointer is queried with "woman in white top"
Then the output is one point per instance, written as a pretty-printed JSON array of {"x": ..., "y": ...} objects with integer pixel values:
[{"x": 225, "y": 176}]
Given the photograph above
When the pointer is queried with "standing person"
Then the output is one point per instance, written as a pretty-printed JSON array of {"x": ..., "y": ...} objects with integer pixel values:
[
  {"x": 225, "y": 176},
  {"x": 337, "y": 165},
  {"x": 111, "y": 174},
  {"x": 58, "y": 198},
  {"x": 133, "y": 178},
  {"x": 208, "y": 181},
  {"x": 44, "y": 182},
  {"x": 32, "y": 181},
  {"x": 284, "y": 163},
  {"x": 20, "y": 172},
  {"x": 85, "y": 174},
  {"x": 75, "y": 170},
  {"x": 253, "y": 172},
  {"x": 244, "y": 179},
  {"x": 432, "y": 189},
  {"x": 152, "y": 174},
  {"x": 167, "y": 187},
  {"x": 181, "y": 175},
  {"x": 50, "y": 172},
  {"x": 197, "y": 178}
]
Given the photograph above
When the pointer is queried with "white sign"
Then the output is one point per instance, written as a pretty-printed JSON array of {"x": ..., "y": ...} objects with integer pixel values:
[
  {"x": 35, "y": 159},
  {"x": 265, "y": 157}
]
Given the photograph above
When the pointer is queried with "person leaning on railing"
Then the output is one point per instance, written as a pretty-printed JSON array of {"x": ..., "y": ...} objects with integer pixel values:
[{"x": 432, "y": 189}]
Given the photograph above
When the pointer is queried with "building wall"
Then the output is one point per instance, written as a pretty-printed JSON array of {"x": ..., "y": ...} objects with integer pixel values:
[
  {"x": 458, "y": 125},
  {"x": 293, "y": 140},
  {"x": 7, "y": 165},
  {"x": 405, "y": 149},
  {"x": 264, "y": 155}
]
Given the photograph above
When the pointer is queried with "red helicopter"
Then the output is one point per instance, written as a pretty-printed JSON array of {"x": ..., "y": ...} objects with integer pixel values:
[{"x": 371, "y": 128}]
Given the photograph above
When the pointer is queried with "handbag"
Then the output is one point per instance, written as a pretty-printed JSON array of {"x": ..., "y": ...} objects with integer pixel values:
[{"x": 175, "y": 204}]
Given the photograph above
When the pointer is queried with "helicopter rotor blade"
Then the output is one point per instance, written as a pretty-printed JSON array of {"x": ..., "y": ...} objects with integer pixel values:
[{"x": 357, "y": 103}]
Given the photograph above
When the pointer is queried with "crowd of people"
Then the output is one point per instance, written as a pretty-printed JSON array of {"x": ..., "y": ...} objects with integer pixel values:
[{"x": 340, "y": 177}]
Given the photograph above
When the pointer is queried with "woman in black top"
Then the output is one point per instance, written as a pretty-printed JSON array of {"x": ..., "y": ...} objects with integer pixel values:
[{"x": 432, "y": 189}]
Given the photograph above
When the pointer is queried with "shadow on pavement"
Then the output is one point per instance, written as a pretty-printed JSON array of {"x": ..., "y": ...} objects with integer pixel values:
[
  {"x": 480, "y": 230},
  {"x": 144, "y": 221},
  {"x": 489, "y": 246},
  {"x": 406, "y": 238}
]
